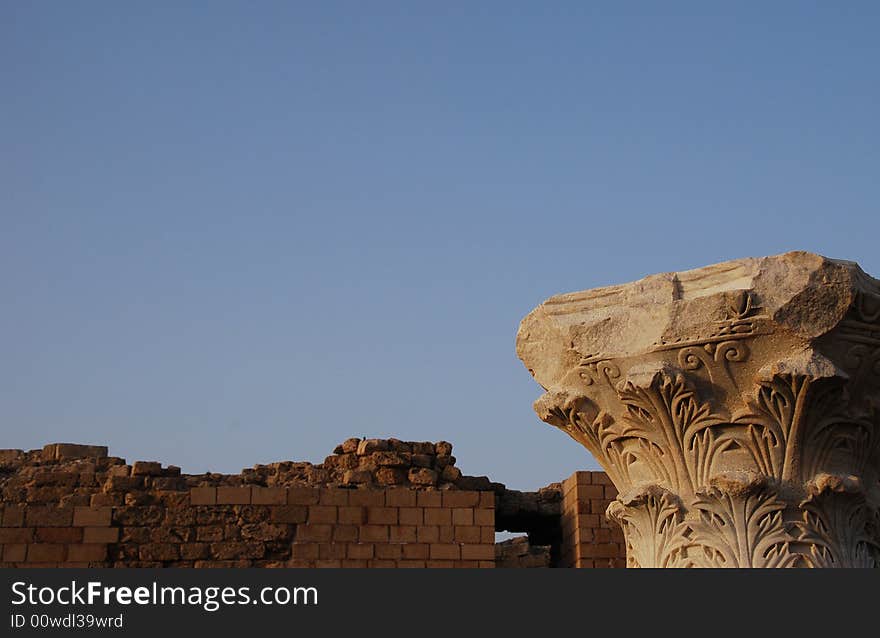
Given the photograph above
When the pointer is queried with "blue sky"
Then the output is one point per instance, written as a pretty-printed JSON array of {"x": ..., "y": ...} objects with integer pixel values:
[{"x": 235, "y": 232}]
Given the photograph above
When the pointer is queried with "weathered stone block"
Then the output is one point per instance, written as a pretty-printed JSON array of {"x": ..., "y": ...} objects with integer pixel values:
[
  {"x": 234, "y": 495},
  {"x": 368, "y": 446},
  {"x": 146, "y": 468},
  {"x": 92, "y": 516},
  {"x": 69, "y": 451},
  {"x": 423, "y": 476}
]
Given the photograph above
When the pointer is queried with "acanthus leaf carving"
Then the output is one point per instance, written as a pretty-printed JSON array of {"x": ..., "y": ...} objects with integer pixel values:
[
  {"x": 838, "y": 525},
  {"x": 667, "y": 414},
  {"x": 653, "y": 525},
  {"x": 741, "y": 524}
]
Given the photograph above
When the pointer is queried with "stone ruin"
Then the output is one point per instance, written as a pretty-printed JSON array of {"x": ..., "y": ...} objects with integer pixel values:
[
  {"x": 735, "y": 409},
  {"x": 372, "y": 503}
]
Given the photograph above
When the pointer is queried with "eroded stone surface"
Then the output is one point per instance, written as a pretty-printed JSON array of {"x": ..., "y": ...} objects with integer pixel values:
[{"x": 735, "y": 407}]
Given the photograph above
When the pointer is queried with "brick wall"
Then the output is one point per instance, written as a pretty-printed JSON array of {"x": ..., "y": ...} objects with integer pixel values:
[
  {"x": 589, "y": 539},
  {"x": 373, "y": 503},
  {"x": 256, "y": 527}
]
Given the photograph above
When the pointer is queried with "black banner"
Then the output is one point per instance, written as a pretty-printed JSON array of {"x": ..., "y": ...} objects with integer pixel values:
[{"x": 230, "y": 602}]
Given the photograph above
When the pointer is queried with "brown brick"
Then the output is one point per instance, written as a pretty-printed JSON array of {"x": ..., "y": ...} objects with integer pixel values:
[
  {"x": 45, "y": 553},
  {"x": 429, "y": 499},
  {"x": 454, "y": 498},
  {"x": 331, "y": 551},
  {"x": 203, "y": 496},
  {"x": 305, "y": 551},
  {"x": 92, "y": 516},
  {"x": 382, "y": 515},
  {"x": 374, "y": 533},
  {"x": 586, "y": 492},
  {"x": 328, "y": 564},
  {"x": 335, "y": 497},
  {"x": 487, "y": 535},
  {"x": 234, "y": 495},
  {"x": 290, "y": 514},
  {"x": 609, "y": 550},
  {"x": 462, "y": 516},
  {"x": 269, "y": 495},
  {"x": 445, "y": 551},
  {"x": 16, "y": 535},
  {"x": 467, "y": 534},
  {"x": 303, "y": 496},
  {"x": 314, "y": 532},
  {"x": 411, "y": 516},
  {"x": 14, "y": 553},
  {"x": 487, "y": 500},
  {"x": 352, "y": 563},
  {"x": 484, "y": 517},
  {"x": 428, "y": 534},
  {"x": 388, "y": 551},
  {"x": 361, "y": 550},
  {"x": 49, "y": 516},
  {"x": 58, "y": 535},
  {"x": 487, "y": 564},
  {"x": 418, "y": 551},
  {"x": 600, "y": 478},
  {"x": 600, "y": 550},
  {"x": 610, "y": 493},
  {"x": 467, "y": 564},
  {"x": 13, "y": 515},
  {"x": 105, "y": 500},
  {"x": 439, "y": 564},
  {"x": 416, "y": 564},
  {"x": 587, "y": 521},
  {"x": 396, "y": 497},
  {"x": 345, "y": 533},
  {"x": 583, "y": 477},
  {"x": 438, "y": 516},
  {"x": 87, "y": 552},
  {"x": 382, "y": 564},
  {"x": 584, "y": 535},
  {"x": 352, "y": 515},
  {"x": 402, "y": 534},
  {"x": 194, "y": 551},
  {"x": 477, "y": 552},
  {"x": 447, "y": 534},
  {"x": 124, "y": 483},
  {"x": 602, "y": 535},
  {"x": 322, "y": 514},
  {"x": 367, "y": 498}
]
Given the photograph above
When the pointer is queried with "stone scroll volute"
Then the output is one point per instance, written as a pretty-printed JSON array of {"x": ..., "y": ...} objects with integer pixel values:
[{"x": 736, "y": 408}]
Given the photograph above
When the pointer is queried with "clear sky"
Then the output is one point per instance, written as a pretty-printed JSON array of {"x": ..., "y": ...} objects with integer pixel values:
[{"x": 240, "y": 232}]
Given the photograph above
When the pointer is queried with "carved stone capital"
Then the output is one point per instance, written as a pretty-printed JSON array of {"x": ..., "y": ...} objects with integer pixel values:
[{"x": 736, "y": 408}]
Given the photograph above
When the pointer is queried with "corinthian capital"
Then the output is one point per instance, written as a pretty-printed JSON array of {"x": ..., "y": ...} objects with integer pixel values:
[{"x": 736, "y": 407}]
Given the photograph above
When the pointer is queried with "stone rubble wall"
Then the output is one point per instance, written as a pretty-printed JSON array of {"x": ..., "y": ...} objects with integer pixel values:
[
  {"x": 519, "y": 553},
  {"x": 373, "y": 503},
  {"x": 376, "y": 503}
]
